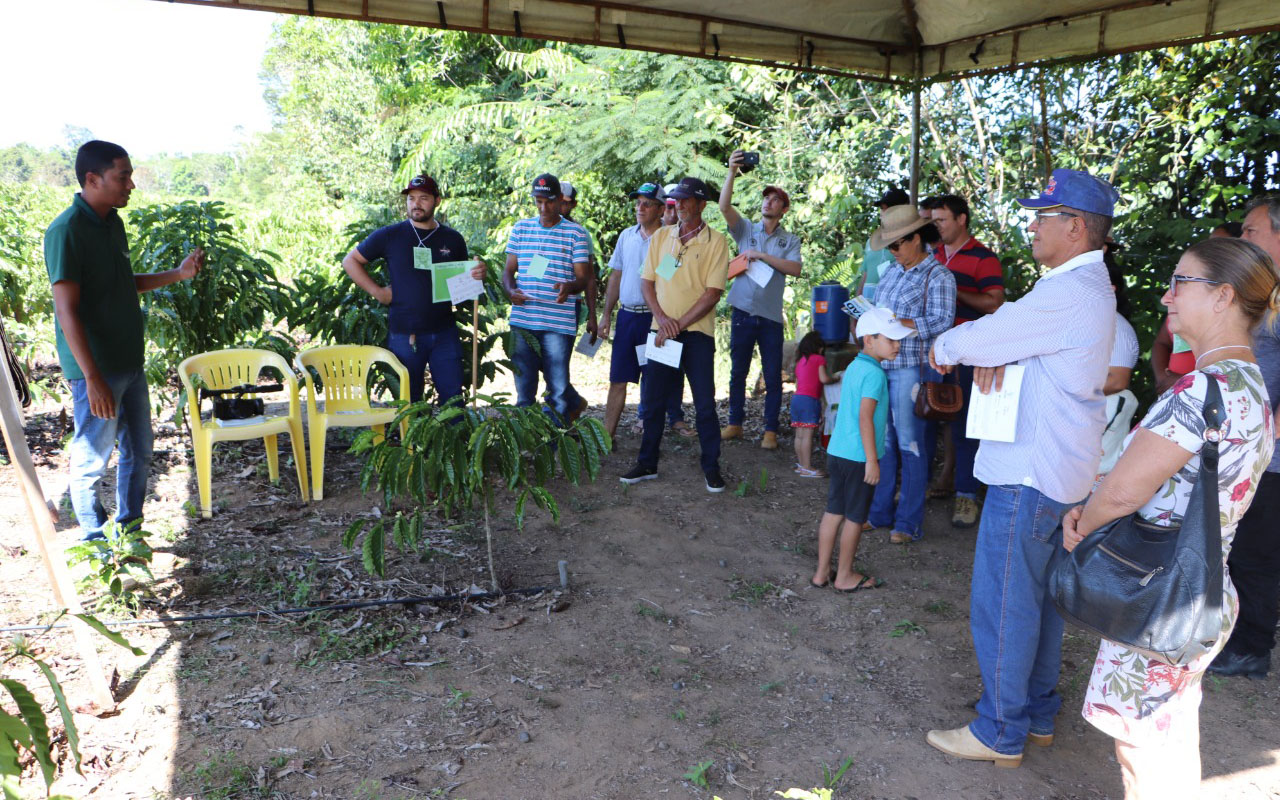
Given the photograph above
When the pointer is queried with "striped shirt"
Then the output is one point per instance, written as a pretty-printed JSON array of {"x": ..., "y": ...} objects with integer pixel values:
[
  {"x": 976, "y": 269},
  {"x": 902, "y": 291},
  {"x": 1062, "y": 332},
  {"x": 562, "y": 245}
]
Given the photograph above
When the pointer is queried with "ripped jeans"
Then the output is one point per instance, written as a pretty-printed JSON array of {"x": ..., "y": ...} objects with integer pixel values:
[{"x": 904, "y": 447}]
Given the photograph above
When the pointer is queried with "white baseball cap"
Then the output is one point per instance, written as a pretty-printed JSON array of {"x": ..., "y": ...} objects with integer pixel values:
[
  {"x": 882, "y": 320},
  {"x": 666, "y": 193}
]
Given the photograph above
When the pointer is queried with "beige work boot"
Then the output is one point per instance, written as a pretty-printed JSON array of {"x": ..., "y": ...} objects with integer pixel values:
[
  {"x": 770, "y": 441},
  {"x": 965, "y": 512},
  {"x": 731, "y": 432},
  {"x": 1040, "y": 739},
  {"x": 961, "y": 743}
]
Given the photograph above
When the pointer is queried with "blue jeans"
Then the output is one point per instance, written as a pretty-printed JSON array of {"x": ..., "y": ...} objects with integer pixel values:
[
  {"x": 548, "y": 353},
  {"x": 905, "y": 447},
  {"x": 674, "y": 409},
  {"x": 747, "y": 331},
  {"x": 1017, "y": 632},
  {"x": 91, "y": 447},
  {"x": 442, "y": 351},
  {"x": 697, "y": 363}
]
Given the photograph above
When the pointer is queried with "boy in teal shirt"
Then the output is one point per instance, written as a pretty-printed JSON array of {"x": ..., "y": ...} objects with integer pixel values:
[{"x": 853, "y": 465}]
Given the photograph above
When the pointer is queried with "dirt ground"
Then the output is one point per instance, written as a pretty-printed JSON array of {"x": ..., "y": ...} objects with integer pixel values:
[{"x": 688, "y": 645}]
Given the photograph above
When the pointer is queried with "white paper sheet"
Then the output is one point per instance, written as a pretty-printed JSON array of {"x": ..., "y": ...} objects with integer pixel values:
[
  {"x": 463, "y": 287},
  {"x": 668, "y": 354},
  {"x": 994, "y": 416},
  {"x": 759, "y": 272},
  {"x": 586, "y": 347},
  {"x": 640, "y": 355}
]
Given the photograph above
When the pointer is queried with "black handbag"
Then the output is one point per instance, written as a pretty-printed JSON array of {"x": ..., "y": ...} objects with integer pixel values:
[{"x": 1156, "y": 590}]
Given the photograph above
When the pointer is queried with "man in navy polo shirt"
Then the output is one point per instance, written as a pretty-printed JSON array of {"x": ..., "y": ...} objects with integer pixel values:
[
  {"x": 421, "y": 332},
  {"x": 757, "y": 309}
]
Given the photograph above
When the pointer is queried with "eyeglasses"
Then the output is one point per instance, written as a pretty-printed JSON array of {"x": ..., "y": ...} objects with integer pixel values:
[
  {"x": 1041, "y": 216},
  {"x": 893, "y": 246},
  {"x": 1174, "y": 280}
]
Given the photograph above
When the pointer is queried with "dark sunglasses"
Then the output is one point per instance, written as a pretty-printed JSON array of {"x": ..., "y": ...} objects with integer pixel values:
[{"x": 893, "y": 246}]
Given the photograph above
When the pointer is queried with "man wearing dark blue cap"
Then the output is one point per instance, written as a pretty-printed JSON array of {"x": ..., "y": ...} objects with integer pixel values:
[
  {"x": 1061, "y": 334},
  {"x": 685, "y": 272},
  {"x": 634, "y": 318}
]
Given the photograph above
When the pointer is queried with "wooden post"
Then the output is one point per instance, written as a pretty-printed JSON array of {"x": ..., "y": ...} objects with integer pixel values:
[
  {"x": 64, "y": 595},
  {"x": 475, "y": 351}
]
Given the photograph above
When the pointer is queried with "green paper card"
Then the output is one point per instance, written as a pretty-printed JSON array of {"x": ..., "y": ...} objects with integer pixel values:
[
  {"x": 537, "y": 266},
  {"x": 1179, "y": 344},
  {"x": 667, "y": 267},
  {"x": 440, "y": 275},
  {"x": 422, "y": 258}
]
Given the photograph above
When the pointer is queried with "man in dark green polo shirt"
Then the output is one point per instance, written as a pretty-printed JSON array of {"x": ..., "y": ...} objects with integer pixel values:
[{"x": 100, "y": 335}]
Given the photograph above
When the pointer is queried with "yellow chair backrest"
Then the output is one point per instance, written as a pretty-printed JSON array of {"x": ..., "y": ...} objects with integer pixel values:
[
  {"x": 344, "y": 375},
  {"x": 222, "y": 369}
]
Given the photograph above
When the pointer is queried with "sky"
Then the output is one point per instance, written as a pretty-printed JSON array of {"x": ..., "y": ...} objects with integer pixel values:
[{"x": 153, "y": 77}]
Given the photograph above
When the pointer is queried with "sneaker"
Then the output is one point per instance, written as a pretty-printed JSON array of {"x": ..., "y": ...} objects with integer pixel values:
[
  {"x": 898, "y": 537},
  {"x": 770, "y": 441},
  {"x": 965, "y": 512},
  {"x": 731, "y": 432},
  {"x": 715, "y": 482},
  {"x": 639, "y": 473},
  {"x": 806, "y": 472}
]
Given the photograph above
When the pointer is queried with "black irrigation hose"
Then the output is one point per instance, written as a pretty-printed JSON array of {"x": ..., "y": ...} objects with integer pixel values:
[{"x": 407, "y": 601}]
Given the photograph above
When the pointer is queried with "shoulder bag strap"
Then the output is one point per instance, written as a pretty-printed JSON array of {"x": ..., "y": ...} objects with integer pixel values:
[{"x": 1207, "y": 487}]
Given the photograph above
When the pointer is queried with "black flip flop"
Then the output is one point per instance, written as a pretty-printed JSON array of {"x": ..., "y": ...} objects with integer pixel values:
[{"x": 866, "y": 583}]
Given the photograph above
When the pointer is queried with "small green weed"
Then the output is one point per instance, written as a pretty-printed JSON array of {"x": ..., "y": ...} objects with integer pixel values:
[
  {"x": 224, "y": 777},
  {"x": 904, "y": 627},
  {"x": 654, "y": 612},
  {"x": 697, "y": 774},
  {"x": 345, "y": 642},
  {"x": 771, "y": 686},
  {"x": 829, "y": 778},
  {"x": 763, "y": 480},
  {"x": 123, "y": 554},
  {"x": 741, "y": 491},
  {"x": 456, "y": 697},
  {"x": 938, "y": 607},
  {"x": 752, "y": 591},
  {"x": 679, "y": 715}
]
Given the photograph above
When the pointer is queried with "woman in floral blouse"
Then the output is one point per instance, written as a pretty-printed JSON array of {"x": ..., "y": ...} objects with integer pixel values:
[{"x": 1220, "y": 290}]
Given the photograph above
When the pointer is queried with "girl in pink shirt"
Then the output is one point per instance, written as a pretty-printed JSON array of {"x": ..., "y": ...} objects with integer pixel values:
[{"x": 806, "y": 403}]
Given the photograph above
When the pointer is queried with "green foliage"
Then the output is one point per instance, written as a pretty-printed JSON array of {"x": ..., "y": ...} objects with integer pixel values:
[
  {"x": 454, "y": 457},
  {"x": 229, "y": 304},
  {"x": 123, "y": 554},
  {"x": 697, "y": 774},
  {"x": 831, "y": 779},
  {"x": 904, "y": 627},
  {"x": 24, "y": 726}
]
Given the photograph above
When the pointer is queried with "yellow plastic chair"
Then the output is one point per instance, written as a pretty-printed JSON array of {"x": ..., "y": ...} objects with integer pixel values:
[
  {"x": 344, "y": 379},
  {"x": 223, "y": 369}
]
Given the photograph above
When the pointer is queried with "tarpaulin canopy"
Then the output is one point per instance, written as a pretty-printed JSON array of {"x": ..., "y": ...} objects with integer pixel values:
[{"x": 888, "y": 40}]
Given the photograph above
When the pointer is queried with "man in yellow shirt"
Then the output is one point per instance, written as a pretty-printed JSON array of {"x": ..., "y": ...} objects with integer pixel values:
[{"x": 684, "y": 275}]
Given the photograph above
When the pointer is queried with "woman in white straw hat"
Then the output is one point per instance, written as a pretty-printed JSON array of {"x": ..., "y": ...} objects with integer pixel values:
[{"x": 921, "y": 293}]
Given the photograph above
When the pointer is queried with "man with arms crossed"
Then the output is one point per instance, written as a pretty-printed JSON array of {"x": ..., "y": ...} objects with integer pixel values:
[
  {"x": 100, "y": 327},
  {"x": 1061, "y": 333}
]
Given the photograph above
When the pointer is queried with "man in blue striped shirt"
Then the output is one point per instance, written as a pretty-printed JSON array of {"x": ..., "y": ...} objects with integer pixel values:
[
  {"x": 1061, "y": 332},
  {"x": 548, "y": 262}
]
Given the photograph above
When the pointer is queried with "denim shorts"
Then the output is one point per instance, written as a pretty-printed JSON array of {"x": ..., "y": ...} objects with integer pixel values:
[
  {"x": 806, "y": 411},
  {"x": 848, "y": 494}
]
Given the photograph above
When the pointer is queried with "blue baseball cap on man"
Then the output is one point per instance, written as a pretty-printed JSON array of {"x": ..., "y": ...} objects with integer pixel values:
[
  {"x": 1076, "y": 189},
  {"x": 690, "y": 187}
]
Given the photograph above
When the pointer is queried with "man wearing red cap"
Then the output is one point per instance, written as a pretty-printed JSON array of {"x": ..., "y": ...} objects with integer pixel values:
[
  {"x": 421, "y": 332},
  {"x": 757, "y": 308}
]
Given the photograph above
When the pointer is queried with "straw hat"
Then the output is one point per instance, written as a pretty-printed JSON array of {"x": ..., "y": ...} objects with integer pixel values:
[{"x": 896, "y": 222}]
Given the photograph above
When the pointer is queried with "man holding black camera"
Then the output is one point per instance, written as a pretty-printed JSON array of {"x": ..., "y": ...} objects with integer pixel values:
[{"x": 756, "y": 298}]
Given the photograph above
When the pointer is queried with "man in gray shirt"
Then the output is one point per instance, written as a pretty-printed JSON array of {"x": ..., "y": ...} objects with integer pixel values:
[
  {"x": 757, "y": 307},
  {"x": 1060, "y": 333}
]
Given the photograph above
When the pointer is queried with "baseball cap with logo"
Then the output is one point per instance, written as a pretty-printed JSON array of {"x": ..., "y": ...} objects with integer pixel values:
[
  {"x": 1075, "y": 189},
  {"x": 649, "y": 191},
  {"x": 422, "y": 183},
  {"x": 546, "y": 185},
  {"x": 690, "y": 187},
  {"x": 882, "y": 321}
]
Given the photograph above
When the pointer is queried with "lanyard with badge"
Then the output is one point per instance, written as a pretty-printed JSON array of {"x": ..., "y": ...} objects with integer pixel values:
[
  {"x": 671, "y": 261},
  {"x": 422, "y": 253}
]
